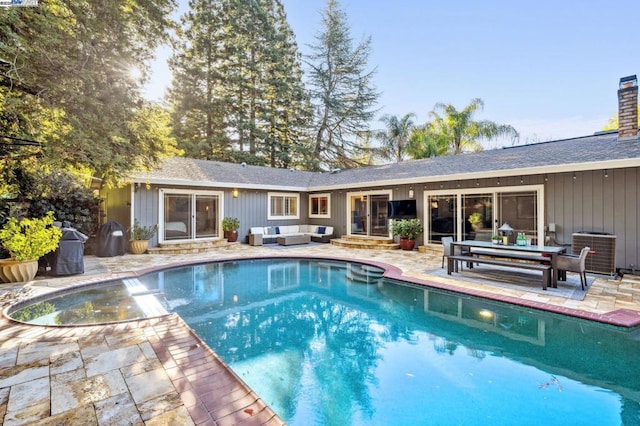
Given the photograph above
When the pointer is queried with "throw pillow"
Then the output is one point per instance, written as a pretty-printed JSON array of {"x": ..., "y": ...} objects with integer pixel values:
[
  {"x": 322, "y": 229},
  {"x": 277, "y": 229}
]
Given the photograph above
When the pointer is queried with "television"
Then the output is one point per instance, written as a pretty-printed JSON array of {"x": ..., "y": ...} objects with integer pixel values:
[{"x": 401, "y": 209}]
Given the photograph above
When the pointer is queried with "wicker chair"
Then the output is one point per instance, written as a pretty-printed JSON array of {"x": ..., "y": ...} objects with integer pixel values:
[{"x": 574, "y": 263}]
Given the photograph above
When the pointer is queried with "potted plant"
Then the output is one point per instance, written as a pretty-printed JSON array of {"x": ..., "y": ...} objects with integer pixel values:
[
  {"x": 139, "y": 237},
  {"x": 475, "y": 219},
  {"x": 230, "y": 227},
  {"x": 407, "y": 230},
  {"x": 495, "y": 239},
  {"x": 26, "y": 240}
]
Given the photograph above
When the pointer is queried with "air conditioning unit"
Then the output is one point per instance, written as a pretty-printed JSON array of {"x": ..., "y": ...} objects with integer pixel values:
[{"x": 602, "y": 258}]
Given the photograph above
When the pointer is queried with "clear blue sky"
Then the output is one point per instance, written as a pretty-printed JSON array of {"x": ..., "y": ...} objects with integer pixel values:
[{"x": 549, "y": 68}]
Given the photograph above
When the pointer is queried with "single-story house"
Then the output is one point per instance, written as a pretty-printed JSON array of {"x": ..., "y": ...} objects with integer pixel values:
[{"x": 584, "y": 190}]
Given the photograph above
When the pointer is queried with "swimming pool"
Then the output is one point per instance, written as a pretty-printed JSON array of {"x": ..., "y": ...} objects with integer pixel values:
[{"x": 328, "y": 342}]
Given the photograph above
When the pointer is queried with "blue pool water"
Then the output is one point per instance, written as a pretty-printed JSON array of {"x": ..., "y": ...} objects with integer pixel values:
[{"x": 331, "y": 343}]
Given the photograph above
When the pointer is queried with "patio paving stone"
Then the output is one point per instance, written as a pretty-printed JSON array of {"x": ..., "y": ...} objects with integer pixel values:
[
  {"x": 114, "y": 359},
  {"x": 11, "y": 376},
  {"x": 157, "y": 372},
  {"x": 118, "y": 410},
  {"x": 68, "y": 393},
  {"x": 154, "y": 407},
  {"x": 149, "y": 385},
  {"x": 66, "y": 362}
]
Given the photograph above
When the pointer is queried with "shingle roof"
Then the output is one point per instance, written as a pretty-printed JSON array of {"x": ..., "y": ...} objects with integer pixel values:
[
  {"x": 189, "y": 171},
  {"x": 587, "y": 151},
  {"x": 596, "y": 151}
]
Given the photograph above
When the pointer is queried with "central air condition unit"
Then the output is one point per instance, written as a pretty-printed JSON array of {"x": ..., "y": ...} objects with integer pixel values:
[{"x": 602, "y": 257}]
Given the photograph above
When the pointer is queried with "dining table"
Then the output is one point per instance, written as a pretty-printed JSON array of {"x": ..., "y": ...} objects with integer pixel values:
[{"x": 514, "y": 252}]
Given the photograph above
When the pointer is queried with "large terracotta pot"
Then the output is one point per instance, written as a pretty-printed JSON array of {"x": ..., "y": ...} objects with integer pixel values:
[
  {"x": 406, "y": 244},
  {"x": 17, "y": 271},
  {"x": 231, "y": 236},
  {"x": 138, "y": 246}
]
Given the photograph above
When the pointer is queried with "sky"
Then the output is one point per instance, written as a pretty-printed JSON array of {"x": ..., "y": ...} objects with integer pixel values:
[{"x": 548, "y": 68}]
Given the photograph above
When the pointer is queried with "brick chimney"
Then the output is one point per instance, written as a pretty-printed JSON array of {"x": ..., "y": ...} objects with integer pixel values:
[{"x": 628, "y": 108}]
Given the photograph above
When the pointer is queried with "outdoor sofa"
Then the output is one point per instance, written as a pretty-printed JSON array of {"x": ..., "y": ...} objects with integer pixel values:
[{"x": 259, "y": 235}]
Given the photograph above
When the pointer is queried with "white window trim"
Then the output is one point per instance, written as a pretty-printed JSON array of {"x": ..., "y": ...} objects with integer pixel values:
[
  {"x": 320, "y": 216},
  {"x": 283, "y": 194}
]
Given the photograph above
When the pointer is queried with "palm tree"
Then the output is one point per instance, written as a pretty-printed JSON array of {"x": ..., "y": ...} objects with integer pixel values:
[
  {"x": 461, "y": 131},
  {"x": 425, "y": 144},
  {"x": 395, "y": 139}
]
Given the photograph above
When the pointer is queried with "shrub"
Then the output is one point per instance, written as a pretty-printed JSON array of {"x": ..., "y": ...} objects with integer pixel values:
[
  {"x": 407, "y": 229},
  {"x": 230, "y": 224},
  {"x": 30, "y": 239},
  {"x": 138, "y": 232}
]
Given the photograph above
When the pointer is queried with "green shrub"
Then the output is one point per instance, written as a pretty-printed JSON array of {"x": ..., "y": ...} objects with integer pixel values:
[
  {"x": 138, "y": 232},
  {"x": 30, "y": 239},
  {"x": 230, "y": 224},
  {"x": 407, "y": 229}
]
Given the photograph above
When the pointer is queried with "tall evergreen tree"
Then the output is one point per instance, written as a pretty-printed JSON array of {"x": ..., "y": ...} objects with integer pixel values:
[
  {"x": 238, "y": 93},
  {"x": 342, "y": 90},
  {"x": 198, "y": 117}
]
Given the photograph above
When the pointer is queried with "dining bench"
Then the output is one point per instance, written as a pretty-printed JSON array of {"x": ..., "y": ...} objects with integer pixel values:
[{"x": 544, "y": 268}]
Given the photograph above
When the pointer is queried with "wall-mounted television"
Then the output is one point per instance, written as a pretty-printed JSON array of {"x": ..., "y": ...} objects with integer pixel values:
[{"x": 401, "y": 209}]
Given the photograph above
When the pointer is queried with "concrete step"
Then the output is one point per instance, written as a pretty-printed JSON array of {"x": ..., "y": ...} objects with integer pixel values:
[
  {"x": 362, "y": 238},
  {"x": 431, "y": 249},
  {"x": 187, "y": 248},
  {"x": 364, "y": 243}
]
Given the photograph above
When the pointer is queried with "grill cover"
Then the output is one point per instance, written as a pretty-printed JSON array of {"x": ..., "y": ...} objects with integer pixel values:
[
  {"x": 68, "y": 259},
  {"x": 112, "y": 240}
]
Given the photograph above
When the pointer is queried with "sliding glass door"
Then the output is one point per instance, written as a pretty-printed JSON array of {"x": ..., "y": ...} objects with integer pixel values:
[
  {"x": 442, "y": 222},
  {"x": 190, "y": 215},
  {"x": 520, "y": 211},
  {"x": 476, "y": 214},
  {"x": 477, "y": 211},
  {"x": 368, "y": 213}
]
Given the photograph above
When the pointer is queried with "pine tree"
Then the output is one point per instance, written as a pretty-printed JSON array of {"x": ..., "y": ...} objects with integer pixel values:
[
  {"x": 343, "y": 94},
  {"x": 238, "y": 93},
  {"x": 198, "y": 107}
]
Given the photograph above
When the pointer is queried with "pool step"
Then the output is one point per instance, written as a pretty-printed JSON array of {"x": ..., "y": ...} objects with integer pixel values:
[
  {"x": 186, "y": 248},
  {"x": 364, "y": 274},
  {"x": 147, "y": 300},
  {"x": 373, "y": 243}
]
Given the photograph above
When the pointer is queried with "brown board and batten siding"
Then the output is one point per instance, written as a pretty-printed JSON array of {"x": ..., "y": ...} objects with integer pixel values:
[{"x": 597, "y": 201}]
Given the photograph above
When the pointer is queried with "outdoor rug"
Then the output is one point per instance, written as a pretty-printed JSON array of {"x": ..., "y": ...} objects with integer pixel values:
[{"x": 516, "y": 280}]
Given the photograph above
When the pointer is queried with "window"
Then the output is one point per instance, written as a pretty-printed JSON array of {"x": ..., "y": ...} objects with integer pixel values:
[
  {"x": 284, "y": 206},
  {"x": 320, "y": 205}
]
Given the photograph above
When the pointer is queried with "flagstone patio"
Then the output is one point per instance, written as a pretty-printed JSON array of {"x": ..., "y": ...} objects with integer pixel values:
[{"x": 158, "y": 372}]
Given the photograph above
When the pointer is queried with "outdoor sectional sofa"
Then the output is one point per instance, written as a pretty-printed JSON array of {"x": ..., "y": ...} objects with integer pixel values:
[{"x": 259, "y": 235}]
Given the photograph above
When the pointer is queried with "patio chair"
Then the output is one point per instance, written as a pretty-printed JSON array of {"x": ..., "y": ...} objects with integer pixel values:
[
  {"x": 574, "y": 263},
  {"x": 447, "y": 250}
]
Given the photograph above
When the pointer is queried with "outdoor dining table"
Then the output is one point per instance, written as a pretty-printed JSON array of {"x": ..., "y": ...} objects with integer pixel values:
[{"x": 503, "y": 251}]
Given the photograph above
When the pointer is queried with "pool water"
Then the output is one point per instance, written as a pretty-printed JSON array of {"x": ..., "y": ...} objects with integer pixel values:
[{"x": 333, "y": 343}]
